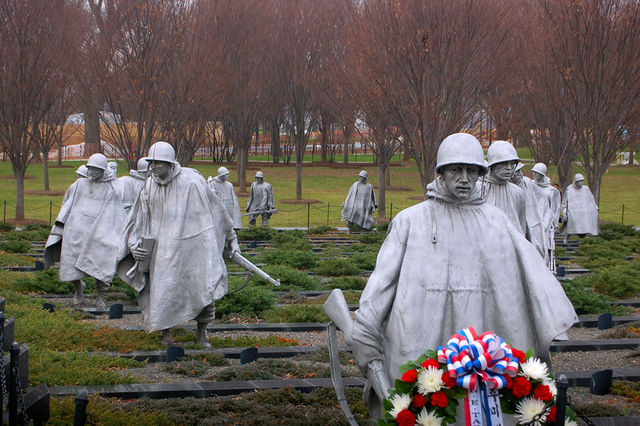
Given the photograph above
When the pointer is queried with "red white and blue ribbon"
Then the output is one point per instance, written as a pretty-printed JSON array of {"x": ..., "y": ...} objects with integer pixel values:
[{"x": 479, "y": 363}]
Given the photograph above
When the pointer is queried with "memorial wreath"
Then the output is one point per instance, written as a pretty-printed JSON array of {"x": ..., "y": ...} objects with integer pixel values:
[{"x": 486, "y": 373}]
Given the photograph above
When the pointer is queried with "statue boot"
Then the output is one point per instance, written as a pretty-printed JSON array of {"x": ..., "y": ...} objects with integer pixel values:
[
  {"x": 100, "y": 289},
  {"x": 166, "y": 337},
  {"x": 202, "y": 337},
  {"x": 78, "y": 297}
]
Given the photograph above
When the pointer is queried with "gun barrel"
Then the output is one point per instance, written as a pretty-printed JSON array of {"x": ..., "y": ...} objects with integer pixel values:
[{"x": 239, "y": 259}]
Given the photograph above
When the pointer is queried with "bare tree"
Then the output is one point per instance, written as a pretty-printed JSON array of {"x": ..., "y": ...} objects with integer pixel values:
[
  {"x": 35, "y": 42},
  {"x": 597, "y": 52}
]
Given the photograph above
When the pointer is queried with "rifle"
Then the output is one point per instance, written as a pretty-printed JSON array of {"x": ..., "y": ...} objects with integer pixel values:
[
  {"x": 336, "y": 308},
  {"x": 271, "y": 211},
  {"x": 239, "y": 259}
]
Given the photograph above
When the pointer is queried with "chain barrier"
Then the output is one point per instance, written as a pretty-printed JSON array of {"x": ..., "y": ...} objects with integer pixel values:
[
  {"x": 580, "y": 414},
  {"x": 545, "y": 410},
  {"x": 3, "y": 379},
  {"x": 23, "y": 407}
]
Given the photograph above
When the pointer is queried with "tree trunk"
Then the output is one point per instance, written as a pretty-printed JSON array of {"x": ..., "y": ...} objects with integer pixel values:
[
  {"x": 346, "y": 135},
  {"x": 300, "y": 148},
  {"x": 19, "y": 194},
  {"x": 326, "y": 131},
  {"x": 276, "y": 151},
  {"x": 45, "y": 169},
  {"x": 91, "y": 132},
  {"x": 242, "y": 168},
  {"x": 630, "y": 162},
  {"x": 382, "y": 213},
  {"x": 59, "y": 143},
  {"x": 387, "y": 180}
]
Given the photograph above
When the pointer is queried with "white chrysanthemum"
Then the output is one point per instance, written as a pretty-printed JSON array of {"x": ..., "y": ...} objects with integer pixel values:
[
  {"x": 569, "y": 422},
  {"x": 552, "y": 386},
  {"x": 400, "y": 402},
  {"x": 426, "y": 418},
  {"x": 429, "y": 380},
  {"x": 534, "y": 369},
  {"x": 528, "y": 408}
]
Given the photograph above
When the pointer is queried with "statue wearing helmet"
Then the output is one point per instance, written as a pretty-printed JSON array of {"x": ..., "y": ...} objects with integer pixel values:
[
  {"x": 131, "y": 185},
  {"x": 86, "y": 235},
  {"x": 549, "y": 203},
  {"x": 175, "y": 236},
  {"x": 224, "y": 189},
  {"x": 360, "y": 204},
  {"x": 497, "y": 189},
  {"x": 579, "y": 209},
  {"x": 534, "y": 213},
  {"x": 260, "y": 202},
  {"x": 450, "y": 262}
]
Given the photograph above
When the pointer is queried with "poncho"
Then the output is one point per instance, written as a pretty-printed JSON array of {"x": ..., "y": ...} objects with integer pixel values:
[
  {"x": 93, "y": 217},
  {"x": 130, "y": 186},
  {"x": 260, "y": 198},
  {"x": 360, "y": 204},
  {"x": 446, "y": 265},
  {"x": 534, "y": 215},
  {"x": 581, "y": 211},
  {"x": 189, "y": 225},
  {"x": 550, "y": 203},
  {"x": 509, "y": 198},
  {"x": 227, "y": 194}
]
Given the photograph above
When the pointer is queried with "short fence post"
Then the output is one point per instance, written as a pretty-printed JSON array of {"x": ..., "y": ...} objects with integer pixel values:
[
  {"x": 50, "y": 210},
  {"x": 561, "y": 399},
  {"x": 623, "y": 214},
  {"x": 14, "y": 353},
  {"x": 3, "y": 371},
  {"x": 80, "y": 415},
  {"x": 328, "y": 214},
  {"x": 308, "y": 216}
]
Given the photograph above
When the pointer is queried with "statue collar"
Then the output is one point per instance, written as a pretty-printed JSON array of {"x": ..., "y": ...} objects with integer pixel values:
[{"x": 438, "y": 191}]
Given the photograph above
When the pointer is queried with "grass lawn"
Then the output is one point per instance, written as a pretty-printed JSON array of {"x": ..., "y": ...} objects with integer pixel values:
[{"x": 327, "y": 185}]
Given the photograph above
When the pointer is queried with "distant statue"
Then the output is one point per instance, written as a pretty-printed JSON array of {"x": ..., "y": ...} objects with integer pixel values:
[
  {"x": 534, "y": 216},
  {"x": 360, "y": 203},
  {"x": 450, "y": 262},
  {"x": 579, "y": 209},
  {"x": 82, "y": 171},
  {"x": 260, "y": 202},
  {"x": 172, "y": 248},
  {"x": 550, "y": 204},
  {"x": 224, "y": 189},
  {"x": 498, "y": 191},
  {"x": 87, "y": 231},
  {"x": 131, "y": 185},
  {"x": 113, "y": 168}
]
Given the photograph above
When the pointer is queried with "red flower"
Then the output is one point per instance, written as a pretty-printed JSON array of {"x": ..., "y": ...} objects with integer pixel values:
[
  {"x": 405, "y": 418},
  {"x": 419, "y": 400},
  {"x": 439, "y": 399},
  {"x": 522, "y": 357},
  {"x": 521, "y": 387},
  {"x": 448, "y": 380},
  {"x": 551, "y": 417},
  {"x": 509, "y": 381},
  {"x": 542, "y": 393},
  {"x": 431, "y": 363},
  {"x": 410, "y": 376}
]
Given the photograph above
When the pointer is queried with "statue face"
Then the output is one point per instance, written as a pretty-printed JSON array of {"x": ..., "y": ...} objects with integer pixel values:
[
  {"x": 259, "y": 179},
  {"x": 362, "y": 179},
  {"x": 578, "y": 184},
  {"x": 223, "y": 178},
  {"x": 94, "y": 173},
  {"x": 160, "y": 169},
  {"x": 539, "y": 177},
  {"x": 503, "y": 171},
  {"x": 460, "y": 179},
  {"x": 516, "y": 177}
]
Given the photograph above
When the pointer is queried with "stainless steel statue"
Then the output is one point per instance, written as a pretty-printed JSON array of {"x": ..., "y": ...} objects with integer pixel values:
[
  {"x": 131, "y": 185},
  {"x": 549, "y": 203},
  {"x": 534, "y": 216},
  {"x": 87, "y": 231},
  {"x": 579, "y": 209},
  {"x": 260, "y": 202},
  {"x": 449, "y": 262},
  {"x": 360, "y": 203},
  {"x": 224, "y": 189},
  {"x": 176, "y": 234},
  {"x": 497, "y": 189}
]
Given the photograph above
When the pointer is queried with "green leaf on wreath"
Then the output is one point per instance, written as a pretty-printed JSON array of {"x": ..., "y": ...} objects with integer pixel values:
[
  {"x": 450, "y": 410},
  {"x": 403, "y": 387},
  {"x": 431, "y": 354},
  {"x": 530, "y": 352},
  {"x": 422, "y": 358},
  {"x": 387, "y": 404},
  {"x": 409, "y": 365},
  {"x": 450, "y": 419}
]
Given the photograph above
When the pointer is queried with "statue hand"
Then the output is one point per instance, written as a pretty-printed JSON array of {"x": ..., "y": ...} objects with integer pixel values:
[
  {"x": 234, "y": 247},
  {"x": 139, "y": 253}
]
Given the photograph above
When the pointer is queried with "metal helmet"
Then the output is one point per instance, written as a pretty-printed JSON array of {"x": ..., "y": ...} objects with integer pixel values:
[
  {"x": 577, "y": 177},
  {"x": 461, "y": 148},
  {"x": 82, "y": 171},
  {"x": 363, "y": 174},
  {"x": 540, "y": 168},
  {"x": 501, "y": 151},
  {"x": 260, "y": 175},
  {"x": 518, "y": 167},
  {"x": 143, "y": 165},
  {"x": 99, "y": 161},
  {"x": 223, "y": 171},
  {"x": 161, "y": 151}
]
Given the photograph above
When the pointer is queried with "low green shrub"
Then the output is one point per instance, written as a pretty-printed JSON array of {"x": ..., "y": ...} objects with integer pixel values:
[
  {"x": 589, "y": 302},
  {"x": 32, "y": 235},
  {"x": 6, "y": 227},
  {"x": 37, "y": 227},
  {"x": 336, "y": 267},
  {"x": 250, "y": 300},
  {"x": 12, "y": 259},
  {"x": 16, "y": 246},
  {"x": 265, "y": 369},
  {"x": 365, "y": 260},
  {"x": 251, "y": 341},
  {"x": 298, "y": 259},
  {"x": 296, "y": 313},
  {"x": 324, "y": 229},
  {"x": 347, "y": 283},
  {"x": 290, "y": 278},
  {"x": 618, "y": 228},
  {"x": 102, "y": 411},
  {"x": 256, "y": 233},
  {"x": 619, "y": 281},
  {"x": 373, "y": 237},
  {"x": 187, "y": 367},
  {"x": 292, "y": 236}
]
